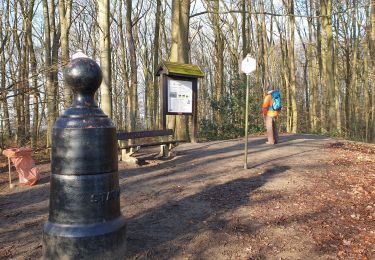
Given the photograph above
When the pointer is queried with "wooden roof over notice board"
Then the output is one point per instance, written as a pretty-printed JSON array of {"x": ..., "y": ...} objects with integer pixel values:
[{"x": 179, "y": 69}]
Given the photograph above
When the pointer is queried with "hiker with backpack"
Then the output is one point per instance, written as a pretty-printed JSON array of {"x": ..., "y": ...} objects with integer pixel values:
[{"x": 271, "y": 108}]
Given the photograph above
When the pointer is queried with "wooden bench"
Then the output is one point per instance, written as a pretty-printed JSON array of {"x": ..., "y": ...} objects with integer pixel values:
[{"x": 128, "y": 149}]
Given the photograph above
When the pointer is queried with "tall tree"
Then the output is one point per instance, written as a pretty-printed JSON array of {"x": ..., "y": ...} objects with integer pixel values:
[
  {"x": 132, "y": 100},
  {"x": 218, "y": 57},
  {"x": 354, "y": 76},
  {"x": 243, "y": 28},
  {"x": 65, "y": 9},
  {"x": 328, "y": 65},
  {"x": 263, "y": 38},
  {"x": 4, "y": 38},
  {"x": 50, "y": 39},
  {"x": 180, "y": 31},
  {"x": 292, "y": 66},
  {"x": 313, "y": 72},
  {"x": 367, "y": 108},
  {"x": 372, "y": 53},
  {"x": 180, "y": 53},
  {"x": 29, "y": 14},
  {"x": 105, "y": 56},
  {"x": 318, "y": 35},
  {"x": 337, "y": 92},
  {"x": 123, "y": 64},
  {"x": 19, "y": 76},
  {"x": 156, "y": 46}
]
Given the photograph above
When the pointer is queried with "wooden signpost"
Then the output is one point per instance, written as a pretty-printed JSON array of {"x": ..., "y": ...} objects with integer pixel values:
[{"x": 179, "y": 91}]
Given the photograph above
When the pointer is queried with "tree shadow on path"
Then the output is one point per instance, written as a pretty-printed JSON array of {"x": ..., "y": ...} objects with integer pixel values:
[{"x": 185, "y": 218}]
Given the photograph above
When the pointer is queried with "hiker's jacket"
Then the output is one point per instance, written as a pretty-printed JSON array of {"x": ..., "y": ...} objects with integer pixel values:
[{"x": 267, "y": 103}]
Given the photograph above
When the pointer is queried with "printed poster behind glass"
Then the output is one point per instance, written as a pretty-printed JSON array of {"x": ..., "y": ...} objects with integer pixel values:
[{"x": 180, "y": 96}]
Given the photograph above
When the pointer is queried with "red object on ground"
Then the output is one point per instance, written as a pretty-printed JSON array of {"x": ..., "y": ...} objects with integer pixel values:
[{"x": 25, "y": 165}]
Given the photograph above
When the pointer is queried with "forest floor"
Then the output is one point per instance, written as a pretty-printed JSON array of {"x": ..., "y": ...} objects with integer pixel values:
[{"x": 308, "y": 197}]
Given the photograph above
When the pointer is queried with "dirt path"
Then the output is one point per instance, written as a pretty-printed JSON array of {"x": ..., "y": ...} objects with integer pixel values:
[{"x": 301, "y": 199}]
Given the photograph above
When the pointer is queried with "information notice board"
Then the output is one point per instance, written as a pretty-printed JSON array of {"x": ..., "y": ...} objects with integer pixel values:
[{"x": 180, "y": 96}]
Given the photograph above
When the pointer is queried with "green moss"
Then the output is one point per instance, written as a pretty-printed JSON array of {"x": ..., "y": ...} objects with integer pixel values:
[{"x": 174, "y": 68}]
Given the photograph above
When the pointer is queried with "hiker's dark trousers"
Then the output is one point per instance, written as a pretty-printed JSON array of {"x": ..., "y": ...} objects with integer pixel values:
[{"x": 271, "y": 126}]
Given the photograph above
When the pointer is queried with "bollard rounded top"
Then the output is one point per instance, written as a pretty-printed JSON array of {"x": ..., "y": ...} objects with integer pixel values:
[{"x": 83, "y": 75}]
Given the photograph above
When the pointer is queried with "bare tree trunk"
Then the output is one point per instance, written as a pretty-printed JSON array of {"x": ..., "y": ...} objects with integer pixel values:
[
  {"x": 105, "y": 56},
  {"x": 367, "y": 108},
  {"x": 354, "y": 105},
  {"x": 372, "y": 72},
  {"x": 156, "y": 46},
  {"x": 180, "y": 53},
  {"x": 337, "y": 87},
  {"x": 250, "y": 34},
  {"x": 133, "y": 67},
  {"x": 4, "y": 100},
  {"x": 124, "y": 67},
  {"x": 148, "y": 82},
  {"x": 328, "y": 58},
  {"x": 219, "y": 57},
  {"x": 325, "y": 79},
  {"x": 65, "y": 8},
  {"x": 180, "y": 31},
  {"x": 115, "y": 105},
  {"x": 264, "y": 47},
  {"x": 347, "y": 88},
  {"x": 25, "y": 85},
  {"x": 93, "y": 39},
  {"x": 34, "y": 77},
  {"x": 257, "y": 48},
  {"x": 285, "y": 75},
  {"x": 305, "y": 106},
  {"x": 260, "y": 71},
  {"x": 55, "y": 45},
  {"x": 320, "y": 103},
  {"x": 18, "y": 80},
  {"x": 4, "y": 35},
  {"x": 366, "y": 68},
  {"x": 292, "y": 67},
  {"x": 313, "y": 74},
  {"x": 243, "y": 28},
  {"x": 49, "y": 75}
]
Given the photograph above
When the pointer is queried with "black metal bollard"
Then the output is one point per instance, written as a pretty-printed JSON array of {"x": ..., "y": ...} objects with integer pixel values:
[{"x": 84, "y": 221}]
